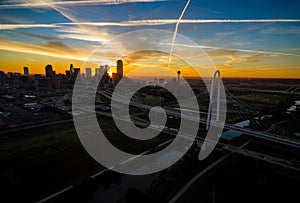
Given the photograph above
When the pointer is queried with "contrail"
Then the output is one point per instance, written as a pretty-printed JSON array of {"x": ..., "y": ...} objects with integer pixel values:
[
  {"x": 71, "y": 3},
  {"x": 186, "y": 21},
  {"x": 143, "y": 22},
  {"x": 175, "y": 32},
  {"x": 19, "y": 26}
]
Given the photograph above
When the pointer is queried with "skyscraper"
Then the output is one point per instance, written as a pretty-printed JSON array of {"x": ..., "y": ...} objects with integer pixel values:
[
  {"x": 97, "y": 73},
  {"x": 119, "y": 75},
  {"x": 68, "y": 74},
  {"x": 102, "y": 70},
  {"x": 120, "y": 69},
  {"x": 101, "y": 73},
  {"x": 106, "y": 68},
  {"x": 26, "y": 71},
  {"x": 75, "y": 74},
  {"x": 88, "y": 72},
  {"x": 49, "y": 71},
  {"x": 2, "y": 78},
  {"x": 71, "y": 68}
]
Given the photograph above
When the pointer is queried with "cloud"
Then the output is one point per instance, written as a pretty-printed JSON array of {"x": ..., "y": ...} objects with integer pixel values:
[
  {"x": 229, "y": 56},
  {"x": 83, "y": 33},
  {"x": 145, "y": 55},
  {"x": 30, "y": 59},
  {"x": 287, "y": 30},
  {"x": 14, "y": 19},
  {"x": 250, "y": 51},
  {"x": 37, "y": 35},
  {"x": 58, "y": 49},
  {"x": 247, "y": 59},
  {"x": 36, "y": 4},
  {"x": 53, "y": 49},
  {"x": 233, "y": 50},
  {"x": 59, "y": 46},
  {"x": 225, "y": 33}
]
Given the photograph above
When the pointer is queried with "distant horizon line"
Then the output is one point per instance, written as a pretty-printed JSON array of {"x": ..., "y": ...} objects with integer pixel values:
[{"x": 224, "y": 77}]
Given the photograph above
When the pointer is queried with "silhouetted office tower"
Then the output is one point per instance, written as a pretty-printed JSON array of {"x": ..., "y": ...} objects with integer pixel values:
[
  {"x": 71, "y": 68},
  {"x": 119, "y": 75},
  {"x": 88, "y": 72},
  {"x": 68, "y": 74},
  {"x": 97, "y": 73},
  {"x": 2, "y": 79},
  {"x": 120, "y": 69},
  {"x": 49, "y": 71},
  {"x": 26, "y": 71},
  {"x": 75, "y": 74},
  {"x": 102, "y": 70}
]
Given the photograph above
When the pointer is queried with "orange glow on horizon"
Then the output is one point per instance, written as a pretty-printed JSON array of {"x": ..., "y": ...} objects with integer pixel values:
[{"x": 14, "y": 62}]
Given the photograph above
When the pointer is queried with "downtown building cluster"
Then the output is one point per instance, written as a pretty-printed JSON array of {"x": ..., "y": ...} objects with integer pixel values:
[{"x": 53, "y": 80}]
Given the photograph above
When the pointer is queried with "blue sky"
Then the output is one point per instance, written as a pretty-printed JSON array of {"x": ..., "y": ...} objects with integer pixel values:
[{"x": 265, "y": 38}]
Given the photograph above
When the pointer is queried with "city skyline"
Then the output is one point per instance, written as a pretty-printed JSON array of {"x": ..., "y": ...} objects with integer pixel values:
[{"x": 148, "y": 101}]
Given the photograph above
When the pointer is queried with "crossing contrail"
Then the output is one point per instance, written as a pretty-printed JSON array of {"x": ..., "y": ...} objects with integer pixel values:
[{"x": 175, "y": 32}]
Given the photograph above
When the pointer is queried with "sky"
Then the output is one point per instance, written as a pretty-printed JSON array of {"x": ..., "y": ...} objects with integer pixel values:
[{"x": 243, "y": 38}]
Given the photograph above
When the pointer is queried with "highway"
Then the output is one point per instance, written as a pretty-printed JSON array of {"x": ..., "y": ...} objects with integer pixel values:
[
  {"x": 255, "y": 133},
  {"x": 197, "y": 176}
]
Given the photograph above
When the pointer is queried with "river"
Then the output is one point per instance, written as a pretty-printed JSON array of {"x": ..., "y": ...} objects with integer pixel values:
[{"x": 230, "y": 134}]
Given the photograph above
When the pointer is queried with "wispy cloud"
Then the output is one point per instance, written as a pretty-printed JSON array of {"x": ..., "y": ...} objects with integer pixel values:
[
  {"x": 248, "y": 59},
  {"x": 235, "y": 49},
  {"x": 37, "y": 4},
  {"x": 58, "y": 49},
  {"x": 233, "y": 55},
  {"x": 287, "y": 30},
  {"x": 46, "y": 37},
  {"x": 77, "y": 33},
  {"x": 53, "y": 49}
]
